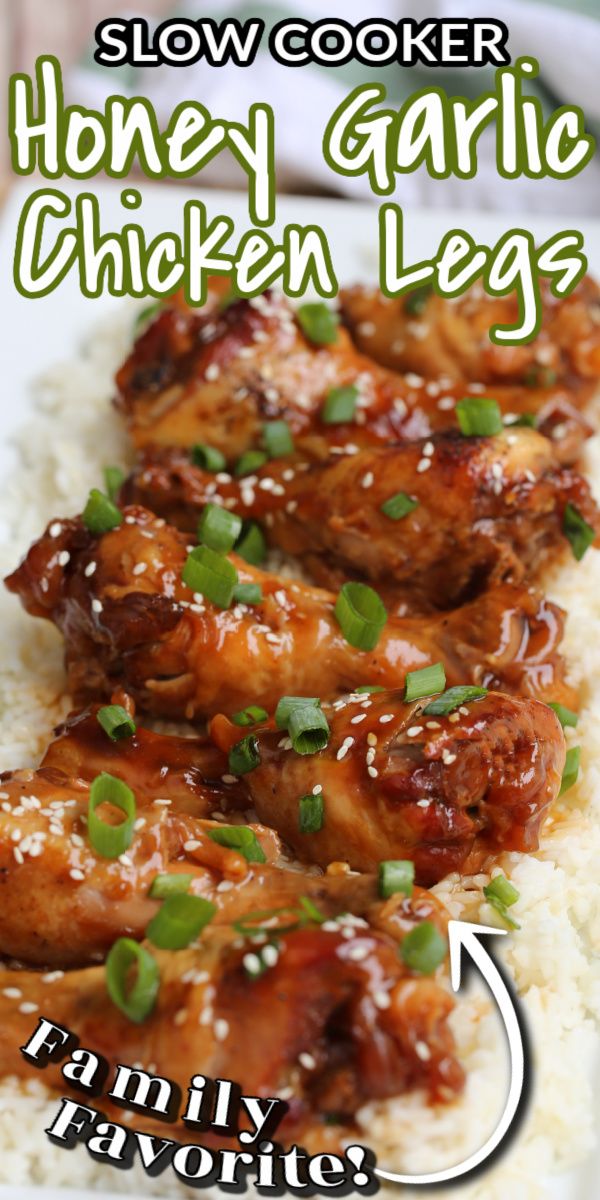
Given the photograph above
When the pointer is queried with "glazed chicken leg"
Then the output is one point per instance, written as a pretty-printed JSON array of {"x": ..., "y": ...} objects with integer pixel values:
[
  {"x": 483, "y": 510},
  {"x": 395, "y": 783},
  {"x": 129, "y": 620},
  {"x": 336, "y": 1019},
  {"x": 436, "y": 337},
  {"x": 216, "y": 378}
]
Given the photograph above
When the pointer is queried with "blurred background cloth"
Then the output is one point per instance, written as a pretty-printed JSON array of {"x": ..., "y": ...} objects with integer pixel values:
[{"x": 564, "y": 35}]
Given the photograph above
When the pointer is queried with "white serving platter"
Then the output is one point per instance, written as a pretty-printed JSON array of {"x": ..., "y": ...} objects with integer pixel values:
[{"x": 39, "y": 333}]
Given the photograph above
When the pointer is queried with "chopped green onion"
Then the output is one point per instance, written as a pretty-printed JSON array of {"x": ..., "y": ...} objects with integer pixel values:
[
  {"x": 179, "y": 921},
  {"x": 500, "y": 888},
  {"x": 110, "y": 840},
  {"x": 416, "y": 300},
  {"x": 287, "y": 704},
  {"x": 240, "y": 838},
  {"x": 219, "y": 528},
  {"x": 479, "y": 416},
  {"x": 247, "y": 593},
  {"x": 524, "y": 421},
  {"x": 244, "y": 756},
  {"x": 169, "y": 885},
  {"x": 367, "y": 689},
  {"x": 396, "y": 875},
  {"x": 311, "y": 813},
  {"x": 503, "y": 912},
  {"x": 250, "y": 462},
  {"x": 278, "y": 439},
  {"x": 113, "y": 478},
  {"x": 100, "y": 515},
  {"x": 319, "y": 323},
  {"x": 579, "y": 534},
  {"x": 252, "y": 546},
  {"x": 138, "y": 1000},
  {"x": 452, "y": 699},
  {"x": 115, "y": 721},
  {"x": 340, "y": 405},
  {"x": 426, "y": 682},
  {"x": 228, "y": 299},
  {"x": 208, "y": 457},
  {"x": 146, "y": 314},
  {"x": 501, "y": 894},
  {"x": 540, "y": 376},
  {"x": 424, "y": 948},
  {"x": 313, "y": 913},
  {"x": 250, "y": 715},
  {"x": 210, "y": 574},
  {"x": 308, "y": 729},
  {"x": 571, "y": 771},
  {"x": 399, "y": 506},
  {"x": 566, "y": 716},
  {"x": 361, "y": 615}
]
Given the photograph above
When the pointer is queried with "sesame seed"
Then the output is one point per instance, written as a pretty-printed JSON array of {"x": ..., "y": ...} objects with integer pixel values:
[
  {"x": 373, "y": 772},
  {"x": 358, "y": 953},
  {"x": 423, "y": 1051},
  {"x": 344, "y": 748},
  {"x": 270, "y": 955},
  {"x": 428, "y": 449},
  {"x": 432, "y": 725},
  {"x": 367, "y": 479},
  {"x": 63, "y": 558},
  {"x": 28, "y": 1007},
  {"x": 454, "y": 717},
  {"x": 414, "y": 730},
  {"x": 357, "y": 720},
  {"x": 12, "y": 993},
  {"x": 139, "y": 568},
  {"x": 75, "y": 873},
  {"x": 386, "y": 718},
  {"x": 89, "y": 570},
  {"x": 221, "y": 1029},
  {"x": 423, "y": 465},
  {"x": 229, "y": 778},
  {"x": 381, "y": 999},
  {"x": 55, "y": 529},
  {"x": 212, "y": 371},
  {"x": 192, "y": 844},
  {"x": 307, "y": 1061},
  {"x": 447, "y": 757},
  {"x": 180, "y": 1016},
  {"x": 252, "y": 963},
  {"x": 372, "y": 739},
  {"x": 318, "y": 788},
  {"x": 96, "y": 605}
]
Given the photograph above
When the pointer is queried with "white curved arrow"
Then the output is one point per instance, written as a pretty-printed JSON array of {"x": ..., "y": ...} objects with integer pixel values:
[{"x": 462, "y": 933}]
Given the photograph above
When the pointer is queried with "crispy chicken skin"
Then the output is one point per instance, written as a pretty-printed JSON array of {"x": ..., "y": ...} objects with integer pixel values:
[
  {"x": 216, "y": 378},
  {"x": 133, "y": 623},
  {"x": 342, "y": 996},
  {"x": 443, "y": 791},
  {"x": 489, "y": 509},
  {"x": 450, "y": 338}
]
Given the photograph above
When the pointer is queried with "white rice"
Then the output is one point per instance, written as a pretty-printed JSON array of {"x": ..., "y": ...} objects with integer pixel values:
[{"x": 553, "y": 959}]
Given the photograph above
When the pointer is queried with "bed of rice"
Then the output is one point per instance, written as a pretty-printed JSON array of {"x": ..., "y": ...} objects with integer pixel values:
[{"x": 553, "y": 959}]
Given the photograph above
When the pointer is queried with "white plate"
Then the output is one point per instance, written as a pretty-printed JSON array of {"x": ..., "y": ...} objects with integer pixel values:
[{"x": 38, "y": 333}]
